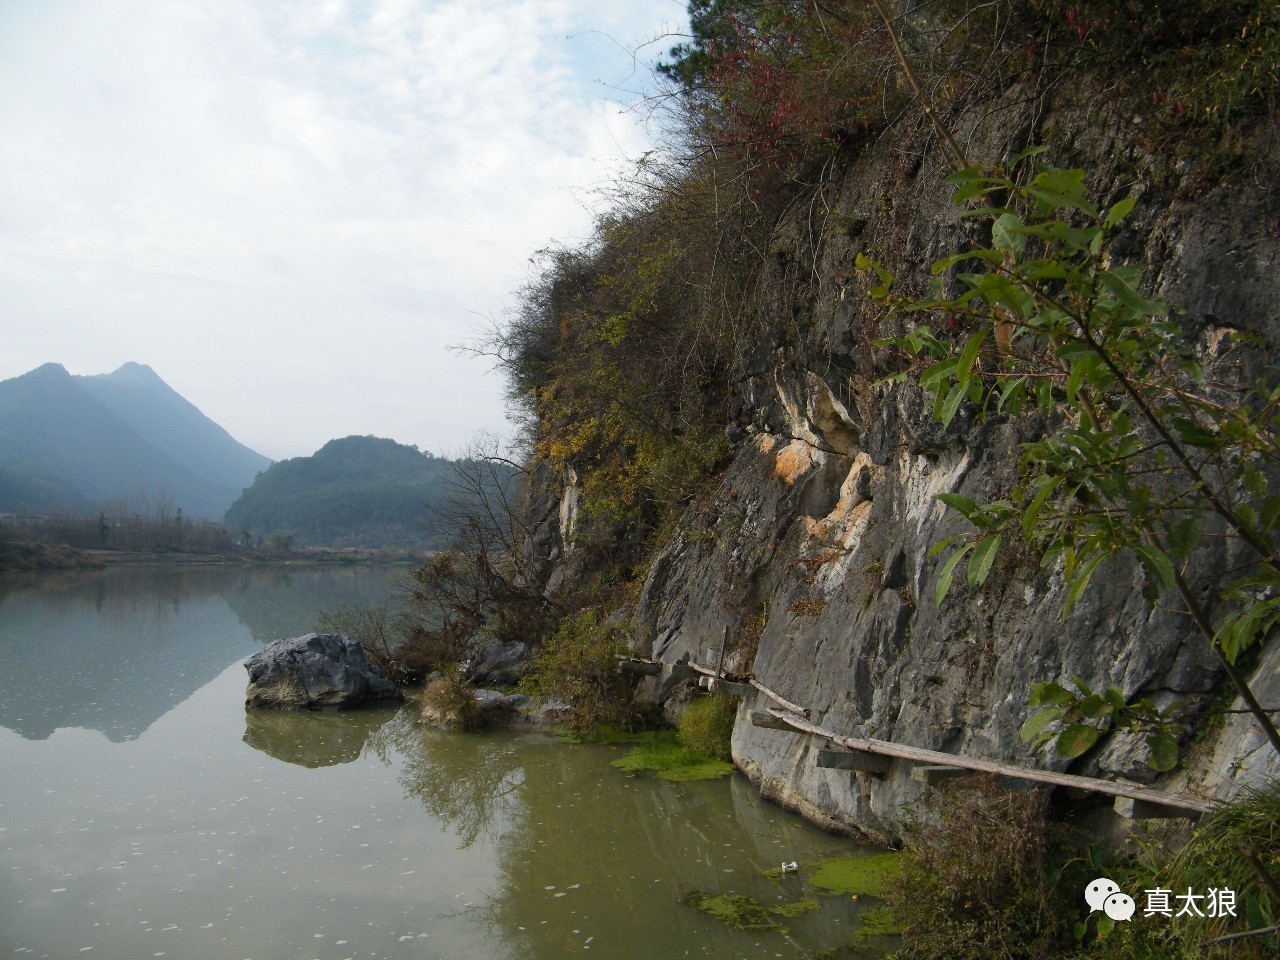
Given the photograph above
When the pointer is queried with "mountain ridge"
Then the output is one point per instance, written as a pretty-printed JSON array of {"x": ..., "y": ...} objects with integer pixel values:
[{"x": 75, "y": 443}]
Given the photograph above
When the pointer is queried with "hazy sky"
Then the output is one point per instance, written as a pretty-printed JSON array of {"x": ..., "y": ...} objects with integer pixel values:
[{"x": 292, "y": 208}]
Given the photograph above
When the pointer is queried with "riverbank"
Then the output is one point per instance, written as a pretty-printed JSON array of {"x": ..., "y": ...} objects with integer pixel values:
[{"x": 21, "y": 556}]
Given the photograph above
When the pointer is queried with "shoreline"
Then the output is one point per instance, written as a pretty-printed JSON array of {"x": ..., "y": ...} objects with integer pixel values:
[{"x": 23, "y": 557}]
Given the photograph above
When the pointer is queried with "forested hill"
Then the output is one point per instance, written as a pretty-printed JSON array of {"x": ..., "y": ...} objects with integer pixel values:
[{"x": 354, "y": 492}]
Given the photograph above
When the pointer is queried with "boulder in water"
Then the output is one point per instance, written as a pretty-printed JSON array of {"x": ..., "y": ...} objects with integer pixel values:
[{"x": 315, "y": 671}]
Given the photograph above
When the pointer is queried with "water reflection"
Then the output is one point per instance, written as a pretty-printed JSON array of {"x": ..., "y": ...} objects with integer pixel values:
[
  {"x": 590, "y": 858},
  {"x": 470, "y": 788},
  {"x": 312, "y": 739},
  {"x": 114, "y": 650}
]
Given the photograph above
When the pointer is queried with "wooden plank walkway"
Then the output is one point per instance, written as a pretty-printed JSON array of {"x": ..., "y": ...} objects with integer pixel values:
[{"x": 794, "y": 717}]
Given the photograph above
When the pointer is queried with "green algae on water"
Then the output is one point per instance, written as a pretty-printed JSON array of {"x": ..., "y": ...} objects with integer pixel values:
[
  {"x": 664, "y": 755},
  {"x": 744, "y": 913},
  {"x": 603, "y": 734},
  {"x": 862, "y": 876},
  {"x": 795, "y": 908},
  {"x": 734, "y": 910}
]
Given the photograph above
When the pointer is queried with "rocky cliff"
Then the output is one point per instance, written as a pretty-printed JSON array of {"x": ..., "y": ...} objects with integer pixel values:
[{"x": 813, "y": 546}]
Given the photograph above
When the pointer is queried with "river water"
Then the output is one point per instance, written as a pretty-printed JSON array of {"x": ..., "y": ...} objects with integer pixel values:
[{"x": 145, "y": 813}]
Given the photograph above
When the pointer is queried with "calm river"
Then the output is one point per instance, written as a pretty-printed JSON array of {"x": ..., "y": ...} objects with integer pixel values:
[{"x": 143, "y": 813}]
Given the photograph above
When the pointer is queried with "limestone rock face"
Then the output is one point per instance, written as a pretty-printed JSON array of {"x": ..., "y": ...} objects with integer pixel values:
[
  {"x": 315, "y": 671},
  {"x": 498, "y": 664},
  {"x": 815, "y": 549}
]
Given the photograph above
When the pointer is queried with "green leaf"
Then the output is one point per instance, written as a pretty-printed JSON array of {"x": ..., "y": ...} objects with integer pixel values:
[
  {"x": 1081, "y": 580},
  {"x": 1075, "y": 740},
  {"x": 1182, "y": 539},
  {"x": 1062, "y": 188},
  {"x": 1129, "y": 297},
  {"x": 951, "y": 405},
  {"x": 961, "y": 504},
  {"x": 1021, "y": 155},
  {"x": 1116, "y": 697},
  {"x": 1039, "y": 720},
  {"x": 1119, "y": 211},
  {"x": 938, "y": 371},
  {"x": 1034, "y": 508},
  {"x": 1164, "y": 750},
  {"x": 984, "y": 555},
  {"x": 1007, "y": 234},
  {"x": 1093, "y": 706},
  {"x": 1157, "y": 563},
  {"x": 948, "y": 570},
  {"x": 1050, "y": 695},
  {"x": 970, "y": 353}
]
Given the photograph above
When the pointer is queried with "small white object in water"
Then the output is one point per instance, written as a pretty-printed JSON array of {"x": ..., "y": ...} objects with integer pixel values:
[{"x": 791, "y": 867}]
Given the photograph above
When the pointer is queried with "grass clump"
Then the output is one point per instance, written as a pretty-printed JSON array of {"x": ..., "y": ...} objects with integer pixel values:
[
  {"x": 856, "y": 876},
  {"x": 984, "y": 877},
  {"x": 878, "y": 922},
  {"x": 664, "y": 755},
  {"x": 1212, "y": 858},
  {"x": 449, "y": 701},
  {"x": 707, "y": 726}
]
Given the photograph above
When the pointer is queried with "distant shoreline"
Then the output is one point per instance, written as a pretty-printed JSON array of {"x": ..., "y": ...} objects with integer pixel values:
[{"x": 21, "y": 557}]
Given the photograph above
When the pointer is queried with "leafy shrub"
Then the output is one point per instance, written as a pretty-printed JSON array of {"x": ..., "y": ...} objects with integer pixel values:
[
  {"x": 579, "y": 665},
  {"x": 449, "y": 701},
  {"x": 983, "y": 877},
  {"x": 707, "y": 726},
  {"x": 386, "y": 637}
]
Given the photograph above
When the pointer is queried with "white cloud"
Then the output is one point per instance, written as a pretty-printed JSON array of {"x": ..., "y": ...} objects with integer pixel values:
[{"x": 291, "y": 209}]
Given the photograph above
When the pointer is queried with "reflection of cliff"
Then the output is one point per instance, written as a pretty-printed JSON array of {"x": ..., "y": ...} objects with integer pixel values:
[
  {"x": 114, "y": 650},
  {"x": 587, "y": 851},
  {"x": 310, "y": 738}
]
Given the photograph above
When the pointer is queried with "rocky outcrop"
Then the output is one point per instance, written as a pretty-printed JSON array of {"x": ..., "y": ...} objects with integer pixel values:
[
  {"x": 497, "y": 664},
  {"x": 319, "y": 670},
  {"x": 814, "y": 548},
  {"x": 463, "y": 708}
]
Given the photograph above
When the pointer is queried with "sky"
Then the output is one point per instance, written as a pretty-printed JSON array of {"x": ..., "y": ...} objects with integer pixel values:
[{"x": 293, "y": 210}]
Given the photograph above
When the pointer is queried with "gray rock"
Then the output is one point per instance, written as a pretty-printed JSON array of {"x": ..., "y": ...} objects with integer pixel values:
[
  {"x": 498, "y": 664},
  {"x": 315, "y": 671},
  {"x": 544, "y": 713}
]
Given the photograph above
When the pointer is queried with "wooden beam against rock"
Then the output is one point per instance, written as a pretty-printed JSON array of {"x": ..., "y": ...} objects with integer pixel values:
[
  {"x": 770, "y": 720},
  {"x": 1115, "y": 788},
  {"x": 725, "y": 687},
  {"x": 858, "y": 761},
  {"x": 1132, "y": 809},
  {"x": 934, "y": 773},
  {"x": 649, "y": 668}
]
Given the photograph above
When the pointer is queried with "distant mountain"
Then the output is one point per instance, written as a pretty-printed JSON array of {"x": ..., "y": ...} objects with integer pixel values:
[
  {"x": 76, "y": 443},
  {"x": 353, "y": 492}
]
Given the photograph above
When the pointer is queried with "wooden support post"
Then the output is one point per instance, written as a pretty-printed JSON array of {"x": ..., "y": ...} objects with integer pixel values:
[
  {"x": 934, "y": 774},
  {"x": 641, "y": 667},
  {"x": 770, "y": 721},
  {"x": 724, "y": 638},
  {"x": 725, "y": 687},
  {"x": 871, "y": 763},
  {"x": 1132, "y": 809}
]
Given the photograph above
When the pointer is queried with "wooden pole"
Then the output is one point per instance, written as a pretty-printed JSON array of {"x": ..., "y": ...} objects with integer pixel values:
[{"x": 922, "y": 755}]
